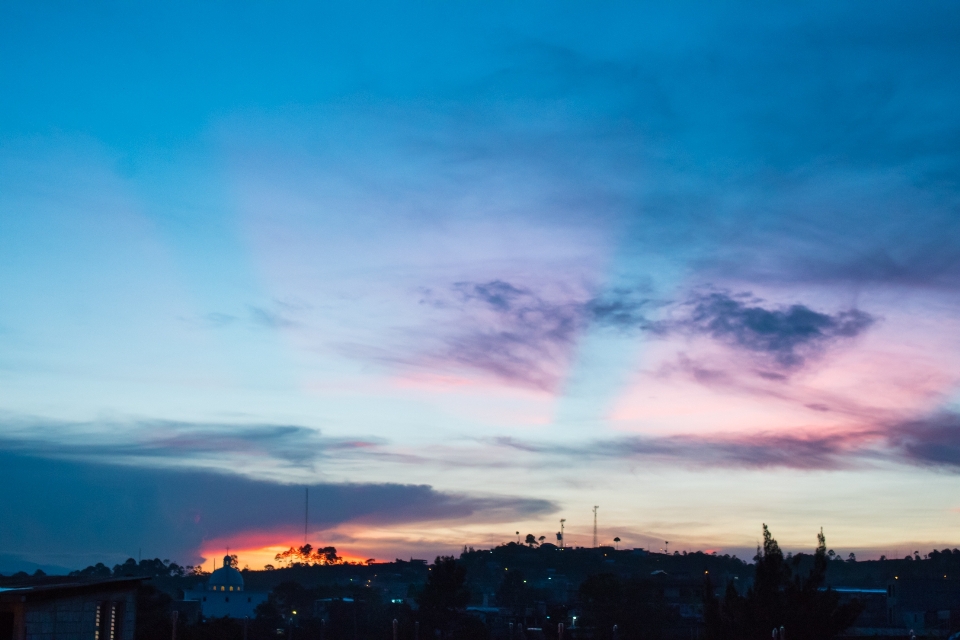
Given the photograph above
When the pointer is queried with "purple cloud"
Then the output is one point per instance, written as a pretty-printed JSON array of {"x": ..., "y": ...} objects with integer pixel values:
[
  {"x": 787, "y": 334},
  {"x": 755, "y": 451},
  {"x": 518, "y": 335},
  {"x": 932, "y": 441}
]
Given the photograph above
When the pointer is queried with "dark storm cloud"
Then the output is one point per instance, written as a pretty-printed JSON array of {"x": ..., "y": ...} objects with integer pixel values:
[
  {"x": 79, "y": 512},
  {"x": 520, "y": 336},
  {"x": 787, "y": 334}
]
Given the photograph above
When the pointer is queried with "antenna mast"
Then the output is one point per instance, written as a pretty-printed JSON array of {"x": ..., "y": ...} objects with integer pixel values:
[
  {"x": 595, "y": 507},
  {"x": 562, "y": 541},
  {"x": 306, "y": 513}
]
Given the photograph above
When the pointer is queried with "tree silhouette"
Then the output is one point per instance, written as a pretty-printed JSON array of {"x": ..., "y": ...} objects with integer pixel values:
[
  {"x": 778, "y": 598},
  {"x": 306, "y": 555},
  {"x": 444, "y": 600},
  {"x": 445, "y": 591},
  {"x": 513, "y": 593}
]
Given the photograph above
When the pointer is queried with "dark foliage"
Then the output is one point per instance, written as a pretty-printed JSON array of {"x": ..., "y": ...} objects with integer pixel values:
[
  {"x": 446, "y": 589},
  {"x": 155, "y": 568},
  {"x": 636, "y": 607},
  {"x": 154, "y": 621},
  {"x": 444, "y": 600},
  {"x": 780, "y": 597},
  {"x": 513, "y": 592}
]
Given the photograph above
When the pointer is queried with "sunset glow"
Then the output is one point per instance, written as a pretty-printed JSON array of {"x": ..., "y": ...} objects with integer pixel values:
[{"x": 416, "y": 278}]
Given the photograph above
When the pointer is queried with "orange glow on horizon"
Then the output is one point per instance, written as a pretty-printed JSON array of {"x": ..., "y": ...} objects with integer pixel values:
[{"x": 256, "y": 558}]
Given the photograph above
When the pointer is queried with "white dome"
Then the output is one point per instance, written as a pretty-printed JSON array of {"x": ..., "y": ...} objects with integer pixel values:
[{"x": 226, "y": 578}]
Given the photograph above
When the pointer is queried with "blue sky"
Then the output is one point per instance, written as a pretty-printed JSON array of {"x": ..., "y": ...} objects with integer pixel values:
[{"x": 697, "y": 264}]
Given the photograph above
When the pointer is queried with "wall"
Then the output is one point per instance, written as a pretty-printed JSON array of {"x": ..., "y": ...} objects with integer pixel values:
[{"x": 75, "y": 617}]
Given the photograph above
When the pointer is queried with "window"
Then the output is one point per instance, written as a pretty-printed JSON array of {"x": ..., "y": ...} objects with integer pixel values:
[
  {"x": 100, "y": 622},
  {"x": 108, "y": 620}
]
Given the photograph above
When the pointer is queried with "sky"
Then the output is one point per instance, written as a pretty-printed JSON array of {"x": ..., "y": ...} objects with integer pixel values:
[{"x": 465, "y": 269}]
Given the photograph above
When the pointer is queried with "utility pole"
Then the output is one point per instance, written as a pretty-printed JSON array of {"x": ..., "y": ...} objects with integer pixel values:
[
  {"x": 562, "y": 541},
  {"x": 595, "y": 507}
]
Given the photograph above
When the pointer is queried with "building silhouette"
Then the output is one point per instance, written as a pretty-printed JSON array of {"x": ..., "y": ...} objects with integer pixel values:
[
  {"x": 64, "y": 608},
  {"x": 223, "y": 595}
]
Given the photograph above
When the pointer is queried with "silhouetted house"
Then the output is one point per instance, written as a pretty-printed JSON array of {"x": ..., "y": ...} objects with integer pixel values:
[
  {"x": 58, "y": 608},
  {"x": 924, "y": 605},
  {"x": 223, "y": 595},
  {"x": 873, "y": 619},
  {"x": 681, "y": 594}
]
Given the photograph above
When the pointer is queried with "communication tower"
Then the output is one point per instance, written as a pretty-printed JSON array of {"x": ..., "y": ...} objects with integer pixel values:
[{"x": 595, "y": 507}]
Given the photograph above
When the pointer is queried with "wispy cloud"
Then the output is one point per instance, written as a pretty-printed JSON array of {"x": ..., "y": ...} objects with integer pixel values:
[
  {"x": 750, "y": 451},
  {"x": 270, "y": 319},
  {"x": 523, "y": 336},
  {"x": 218, "y": 320},
  {"x": 172, "y": 441},
  {"x": 932, "y": 441}
]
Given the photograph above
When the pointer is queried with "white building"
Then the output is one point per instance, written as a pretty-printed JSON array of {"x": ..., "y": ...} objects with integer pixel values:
[{"x": 224, "y": 595}]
